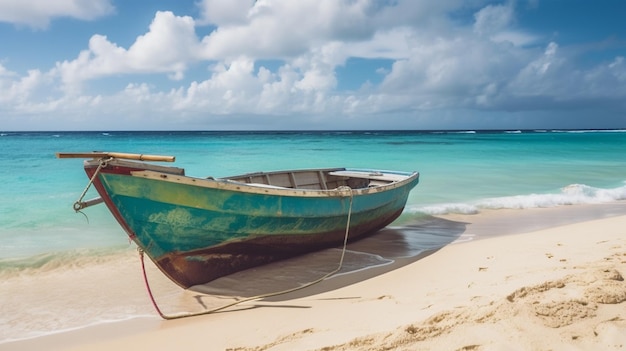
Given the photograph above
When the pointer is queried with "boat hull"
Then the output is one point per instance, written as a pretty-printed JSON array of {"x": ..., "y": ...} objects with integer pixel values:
[
  {"x": 203, "y": 265},
  {"x": 197, "y": 230}
]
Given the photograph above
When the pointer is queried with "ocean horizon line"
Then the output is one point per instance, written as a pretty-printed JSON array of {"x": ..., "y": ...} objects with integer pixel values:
[{"x": 322, "y": 131}]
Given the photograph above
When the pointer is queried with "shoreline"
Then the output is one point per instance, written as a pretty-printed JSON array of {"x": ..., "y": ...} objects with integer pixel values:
[{"x": 439, "y": 295}]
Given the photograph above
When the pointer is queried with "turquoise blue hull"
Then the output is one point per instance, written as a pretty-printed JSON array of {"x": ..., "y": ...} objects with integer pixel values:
[{"x": 197, "y": 230}]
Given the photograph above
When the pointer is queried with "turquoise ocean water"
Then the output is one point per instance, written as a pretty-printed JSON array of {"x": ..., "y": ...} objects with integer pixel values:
[{"x": 461, "y": 172}]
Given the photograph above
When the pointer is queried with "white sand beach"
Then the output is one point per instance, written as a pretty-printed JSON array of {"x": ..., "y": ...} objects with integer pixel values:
[{"x": 556, "y": 288}]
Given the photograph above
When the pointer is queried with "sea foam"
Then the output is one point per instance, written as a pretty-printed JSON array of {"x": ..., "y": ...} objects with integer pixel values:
[{"x": 573, "y": 194}]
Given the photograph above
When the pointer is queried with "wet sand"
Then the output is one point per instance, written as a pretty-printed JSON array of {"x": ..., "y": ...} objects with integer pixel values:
[{"x": 507, "y": 279}]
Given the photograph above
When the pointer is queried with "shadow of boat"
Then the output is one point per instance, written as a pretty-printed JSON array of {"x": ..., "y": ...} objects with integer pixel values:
[{"x": 382, "y": 252}]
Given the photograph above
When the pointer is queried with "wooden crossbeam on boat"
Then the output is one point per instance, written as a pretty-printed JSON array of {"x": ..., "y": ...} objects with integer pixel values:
[{"x": 120, "y": 155}]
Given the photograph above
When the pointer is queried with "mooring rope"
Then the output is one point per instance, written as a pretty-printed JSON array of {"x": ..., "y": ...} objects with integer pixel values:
[
  {"x": 79, "y": 204},
  {"x": 261, "y": 296}
]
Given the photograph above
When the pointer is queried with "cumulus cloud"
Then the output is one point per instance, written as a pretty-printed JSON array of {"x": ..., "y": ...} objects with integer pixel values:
[
  {"x": 169, "y": 46},
  {"x": 21, "y": 90},
  {"x": 283, "y": 28},
  {"x": 38, "y": 14}
]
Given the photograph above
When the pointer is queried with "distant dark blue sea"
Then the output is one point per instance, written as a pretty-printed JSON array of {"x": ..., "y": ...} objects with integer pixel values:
[{"x": 465, "y": 172}]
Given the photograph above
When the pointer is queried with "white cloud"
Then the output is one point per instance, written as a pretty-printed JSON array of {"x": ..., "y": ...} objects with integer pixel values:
[
  {"x": 224, "y": 13},
  {"x": 393, "y": 43},
  {"x": 5, "y": 73},
  {"x": 607, "y": 80},
  {"x": 496, "y": 22},
  {"x": 516, "y": 38},
  {"x": 284, "y": 28},
  {"x": 546, "y": 75},
  {"x": 169, "y": 46},
  {"x": 493, "y": 19},
  {"x": 38, "y": 14},
  {"x": 20, "y": 90}
]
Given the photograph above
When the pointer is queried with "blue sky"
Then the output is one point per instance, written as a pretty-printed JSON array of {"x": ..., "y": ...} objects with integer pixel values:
[{"x": 312, "y": 64}]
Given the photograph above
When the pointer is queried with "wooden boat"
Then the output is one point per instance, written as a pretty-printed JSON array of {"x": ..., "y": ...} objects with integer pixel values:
[{"x": 199, "y": 229}]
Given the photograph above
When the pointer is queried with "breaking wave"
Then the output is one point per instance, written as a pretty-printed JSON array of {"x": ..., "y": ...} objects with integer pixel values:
[{"x": 573, "y": 194}]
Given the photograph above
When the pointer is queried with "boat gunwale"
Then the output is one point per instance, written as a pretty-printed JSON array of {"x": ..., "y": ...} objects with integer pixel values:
[{"x": 265, "y": 189}]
